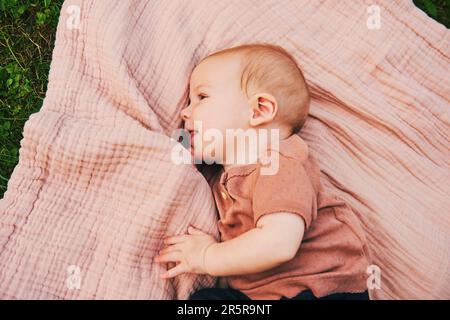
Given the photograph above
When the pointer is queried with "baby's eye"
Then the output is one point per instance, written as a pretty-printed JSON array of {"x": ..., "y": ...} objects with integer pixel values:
[{"x": 202, "y": 96}]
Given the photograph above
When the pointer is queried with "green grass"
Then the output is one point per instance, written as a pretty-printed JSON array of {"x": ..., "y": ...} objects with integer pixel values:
[
  {"x": 27, "y": 34},
  {"x": 439, "y": 10}
]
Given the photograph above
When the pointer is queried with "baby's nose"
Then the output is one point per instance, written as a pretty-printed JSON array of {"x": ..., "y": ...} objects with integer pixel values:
[{"x": 185, "y": 113}]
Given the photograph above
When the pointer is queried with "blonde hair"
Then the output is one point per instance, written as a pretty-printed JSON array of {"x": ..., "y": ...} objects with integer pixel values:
[{"x": 271, "y": 68}]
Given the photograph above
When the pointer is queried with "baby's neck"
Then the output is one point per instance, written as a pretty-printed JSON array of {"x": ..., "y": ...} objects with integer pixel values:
[{"x": 249, "y": 159}]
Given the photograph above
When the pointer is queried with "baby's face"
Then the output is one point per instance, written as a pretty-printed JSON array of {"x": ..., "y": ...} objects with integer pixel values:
[{"x": 217, "y": 103}]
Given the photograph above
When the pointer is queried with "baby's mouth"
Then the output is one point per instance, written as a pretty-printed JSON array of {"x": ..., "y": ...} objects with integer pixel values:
[{"x": 192, "y": 136}]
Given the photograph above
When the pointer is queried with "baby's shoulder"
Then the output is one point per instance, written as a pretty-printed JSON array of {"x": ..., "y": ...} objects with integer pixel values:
[{"x": 288, "y": 166}]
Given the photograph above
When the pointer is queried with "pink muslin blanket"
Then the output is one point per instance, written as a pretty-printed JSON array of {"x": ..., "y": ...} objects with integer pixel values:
[{"x": 95, "y": 190}]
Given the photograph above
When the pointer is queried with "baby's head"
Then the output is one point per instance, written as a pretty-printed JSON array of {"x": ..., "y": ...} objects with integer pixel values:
[{"x": 254, "y": 86}]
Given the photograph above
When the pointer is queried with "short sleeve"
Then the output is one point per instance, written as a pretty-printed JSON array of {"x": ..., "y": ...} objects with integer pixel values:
[{"x": 289, "y": 190}]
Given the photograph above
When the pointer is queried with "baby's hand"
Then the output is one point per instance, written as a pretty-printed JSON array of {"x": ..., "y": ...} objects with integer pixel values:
[{"x": 187, "y": 251}]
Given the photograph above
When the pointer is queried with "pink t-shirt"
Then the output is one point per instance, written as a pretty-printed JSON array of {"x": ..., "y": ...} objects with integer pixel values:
[{"x": 333, "y": 255}]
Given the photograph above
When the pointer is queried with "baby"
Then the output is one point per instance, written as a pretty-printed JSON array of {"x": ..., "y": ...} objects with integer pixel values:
[{"x": 282, "y": 236}]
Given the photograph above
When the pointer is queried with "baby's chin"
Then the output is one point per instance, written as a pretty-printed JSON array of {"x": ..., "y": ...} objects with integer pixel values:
[{"x": 199, "y": 157}]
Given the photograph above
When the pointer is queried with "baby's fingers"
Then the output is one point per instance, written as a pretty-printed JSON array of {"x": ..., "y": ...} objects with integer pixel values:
[
  {"x": 168, "y": 249},
  {"x": 176, "y": 239},
  {"x": 172, "y": 256},
  {"x": 194, "y": 231},
  {"x": 179, "y": 269}
]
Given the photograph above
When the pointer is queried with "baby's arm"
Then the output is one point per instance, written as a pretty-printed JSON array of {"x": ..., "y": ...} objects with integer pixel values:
[{"x": 275, "y": 239}]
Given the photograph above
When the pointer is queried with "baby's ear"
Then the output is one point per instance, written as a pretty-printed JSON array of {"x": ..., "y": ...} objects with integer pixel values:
[{"x": 264, "y": 107}]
